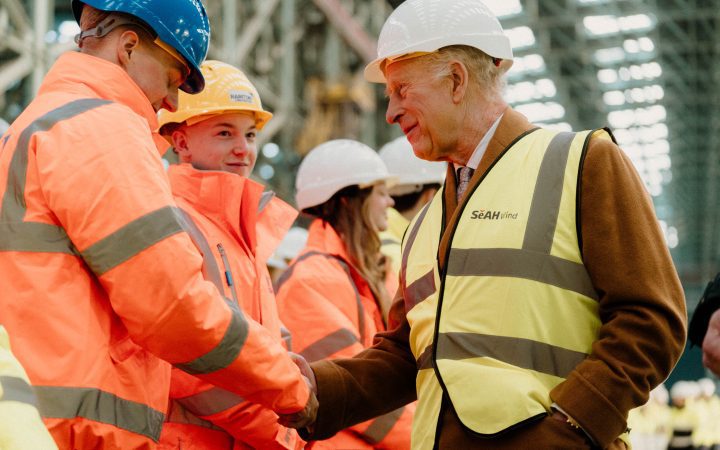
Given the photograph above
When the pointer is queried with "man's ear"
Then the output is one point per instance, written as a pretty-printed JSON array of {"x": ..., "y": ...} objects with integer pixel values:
[
  {"x": 460, "y": 79},
  {"x": 127, "y": 43},
  {"x": 181, "y": 145}
]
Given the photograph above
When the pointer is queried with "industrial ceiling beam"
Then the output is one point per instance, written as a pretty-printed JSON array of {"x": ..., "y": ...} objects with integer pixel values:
[{"x": 346, "y": 26}]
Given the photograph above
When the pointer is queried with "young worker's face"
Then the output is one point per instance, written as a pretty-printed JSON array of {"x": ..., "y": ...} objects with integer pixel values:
[{"x": 224, "y": 142}]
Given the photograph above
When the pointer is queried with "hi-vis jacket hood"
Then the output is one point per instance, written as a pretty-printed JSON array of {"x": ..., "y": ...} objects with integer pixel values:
[
  {"x": 228, "y": 211},
  {"x": 102, "y": 286}
]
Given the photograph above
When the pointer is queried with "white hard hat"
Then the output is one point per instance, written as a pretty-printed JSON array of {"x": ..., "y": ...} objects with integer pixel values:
[
  {"x": 292, "y": 244},
  {"x": 424, "y": 26},
  {"x": 684, "y": 390},
  {"x": 412, "y": 172},
  {"x": 660, "y": 394},
  {"x": 334, "y": 165},
  {"x": 707, "y": 386}
]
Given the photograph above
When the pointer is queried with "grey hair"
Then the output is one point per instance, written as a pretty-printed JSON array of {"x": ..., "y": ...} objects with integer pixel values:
[{"x": 481, "y": 66}]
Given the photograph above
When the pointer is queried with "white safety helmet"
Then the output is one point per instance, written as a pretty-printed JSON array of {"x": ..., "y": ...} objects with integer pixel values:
[
  {"x": 412, "y": 172},
  {"x": 419, "y": 27},
  {"x": 707, "y": 386},
  {"x": 292, "y": 244},
  {"x": 334, "y": 165},
  {"x": 660, "y": 394},
  {"x": 683, "y": 390}
]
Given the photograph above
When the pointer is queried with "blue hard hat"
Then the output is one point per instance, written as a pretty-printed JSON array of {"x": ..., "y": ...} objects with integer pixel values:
[{"x": 182, "y": 24}]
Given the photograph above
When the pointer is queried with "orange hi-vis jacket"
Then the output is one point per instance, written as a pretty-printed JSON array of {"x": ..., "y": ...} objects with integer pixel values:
[
  {"x": 225, "y": 211},
  {"x": 101, "y": 286},
  {"x": 331, "y": 313}
]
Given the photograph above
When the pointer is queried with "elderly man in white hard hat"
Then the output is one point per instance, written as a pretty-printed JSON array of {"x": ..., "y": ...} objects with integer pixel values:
[{"x": 537, "y": 303}]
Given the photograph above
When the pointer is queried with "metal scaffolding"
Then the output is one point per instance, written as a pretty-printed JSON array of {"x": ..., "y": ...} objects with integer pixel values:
[{"x": 306, "y": 57}]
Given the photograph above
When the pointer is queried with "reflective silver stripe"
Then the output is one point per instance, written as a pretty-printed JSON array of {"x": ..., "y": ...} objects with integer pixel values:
[
  {"x": 419, "y": 290},
  {"x": 265, "y": 199},
  {"x": 286, "y": 336},
  {"x": 132, "y": 239},
  {"x": 360, "y": 309},
  {"x": 389, "y": 241},
  {"x": 381, "y": 426},
  {"x": 229, "y": 348},
  {"x": 16, "y": 390},
  {"x": 545, "y": 206},
  {"x": 99, "y": 406},
  {"x": 181, "y": 415},
  {"x": 517, "y": 263},
  {"x": 519, "y": 352},
  {"x": 225, "y": 352},
  {"x": 425, "y": 360},
  {"x": 329, "y": 345},
  {"x": 13, "y": 204},
  {"x": 210, "y": 402},
  {"x": 210, "y": 266},
  {"x": 35, "y": 237},
  {"x": 410, "y": 241},
  {"x": 16, "y": 235}
]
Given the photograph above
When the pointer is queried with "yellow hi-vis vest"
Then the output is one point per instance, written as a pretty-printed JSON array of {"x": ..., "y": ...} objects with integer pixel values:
[{"x": 514, "y": 310}]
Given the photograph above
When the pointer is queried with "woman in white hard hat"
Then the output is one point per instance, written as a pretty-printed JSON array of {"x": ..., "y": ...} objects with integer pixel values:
[
  {"x": 333, "y": 297},
  {"x": 236, "y": 226}
]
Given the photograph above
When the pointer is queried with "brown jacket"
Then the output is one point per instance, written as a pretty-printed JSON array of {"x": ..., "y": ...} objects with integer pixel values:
[{"x": 641, "y": 306}]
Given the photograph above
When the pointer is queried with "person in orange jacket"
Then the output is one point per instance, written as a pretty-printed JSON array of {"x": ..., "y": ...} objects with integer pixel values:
[
  {"x": 238, "y": 227},
  {"x": 333, "y": 297},
  {"x": 102, "y": 288}
]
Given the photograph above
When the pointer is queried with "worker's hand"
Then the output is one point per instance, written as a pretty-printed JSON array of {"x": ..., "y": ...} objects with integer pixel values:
[
  {"x": 306, "y": 417},
  {"x": 711, "y": 344},
  {"x": 305, "y": 369}
]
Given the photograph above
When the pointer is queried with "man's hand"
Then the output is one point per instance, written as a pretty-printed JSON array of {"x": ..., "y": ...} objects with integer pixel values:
[
  {"x": 711, "y": 344},
  {"x": 306, "y": 417}
]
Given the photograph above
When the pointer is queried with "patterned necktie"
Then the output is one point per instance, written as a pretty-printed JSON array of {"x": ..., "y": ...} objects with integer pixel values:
[{"x": 464, "y": 175}]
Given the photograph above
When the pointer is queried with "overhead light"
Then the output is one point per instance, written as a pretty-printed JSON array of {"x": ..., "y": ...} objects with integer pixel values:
[
  {"x": 521, "y": 37},
  {"x": 504, "y": 8}
]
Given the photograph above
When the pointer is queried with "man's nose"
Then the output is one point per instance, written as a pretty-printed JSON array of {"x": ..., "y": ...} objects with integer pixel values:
[
  {"x": 170, "y": 102},
  {"x": 240, "y": 146},
  {"x": 392, "y": 113}
]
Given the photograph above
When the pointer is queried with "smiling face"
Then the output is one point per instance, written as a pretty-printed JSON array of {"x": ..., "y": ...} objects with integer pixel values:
[
  {"x": 223, "y": 142},
  {"x": 376, "y": 206},
  {"x": 421, "y": 103}
]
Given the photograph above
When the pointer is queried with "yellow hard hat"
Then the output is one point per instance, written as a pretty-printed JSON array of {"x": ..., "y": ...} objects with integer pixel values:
[{"x": 227, "y": 90}]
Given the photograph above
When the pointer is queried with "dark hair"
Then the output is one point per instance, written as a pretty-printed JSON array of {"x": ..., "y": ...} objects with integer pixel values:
[{"x": 407, "y": 202}]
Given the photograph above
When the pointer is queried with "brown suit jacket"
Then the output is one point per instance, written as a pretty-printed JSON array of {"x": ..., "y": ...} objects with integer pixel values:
[{"x": 641, "y": 306}]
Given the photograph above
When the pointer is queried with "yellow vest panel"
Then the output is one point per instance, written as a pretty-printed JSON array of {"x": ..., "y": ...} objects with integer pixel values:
[{"x": 515, "y": 308}]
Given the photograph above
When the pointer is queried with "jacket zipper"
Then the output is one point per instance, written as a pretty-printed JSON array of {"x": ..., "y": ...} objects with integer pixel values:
[{"x": 228, "y": 273}]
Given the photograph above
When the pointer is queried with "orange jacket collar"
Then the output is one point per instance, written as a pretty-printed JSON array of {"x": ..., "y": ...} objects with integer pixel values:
[
  {"x": 103, "y": 78},
  {"x": 323, "y": 237},
  {"x": 226, "y": 198}
]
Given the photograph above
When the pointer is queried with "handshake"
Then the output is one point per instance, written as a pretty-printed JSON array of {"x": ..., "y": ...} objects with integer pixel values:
[{"x": 304, "y": 418}]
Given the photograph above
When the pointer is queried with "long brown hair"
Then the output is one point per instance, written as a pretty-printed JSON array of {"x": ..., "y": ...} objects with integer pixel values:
[{"x": 347, "y": 212}]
